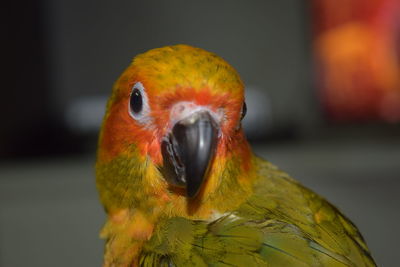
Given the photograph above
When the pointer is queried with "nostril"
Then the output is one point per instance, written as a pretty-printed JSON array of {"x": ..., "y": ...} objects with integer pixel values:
[{"x": 181, "y": 108}]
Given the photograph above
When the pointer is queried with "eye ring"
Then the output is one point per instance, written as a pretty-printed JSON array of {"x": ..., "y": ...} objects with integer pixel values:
[{"x": 138, "y": 105}]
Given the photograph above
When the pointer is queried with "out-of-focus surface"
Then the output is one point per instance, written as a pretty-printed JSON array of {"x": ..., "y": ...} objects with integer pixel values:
[
  {"x": 63, "y": 57},
  {"x": 50, "y": 214}
]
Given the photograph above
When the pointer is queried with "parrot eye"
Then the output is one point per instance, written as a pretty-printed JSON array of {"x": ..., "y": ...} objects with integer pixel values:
[
  {"x": 244, "y": 111},
  {"x": 138, "y": 103}
]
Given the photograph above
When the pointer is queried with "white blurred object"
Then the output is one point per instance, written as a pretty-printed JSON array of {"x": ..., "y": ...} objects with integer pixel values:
[
  {"x": 258, "y": 121},
  {"x": 84, "y": 116}
]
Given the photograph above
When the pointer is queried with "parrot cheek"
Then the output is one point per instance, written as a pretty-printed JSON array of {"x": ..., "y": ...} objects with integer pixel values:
[{"x": 153, "y": 150}]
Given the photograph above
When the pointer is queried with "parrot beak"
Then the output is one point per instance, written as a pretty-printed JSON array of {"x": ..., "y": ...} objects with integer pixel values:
[{"x": 188, "y": 151}]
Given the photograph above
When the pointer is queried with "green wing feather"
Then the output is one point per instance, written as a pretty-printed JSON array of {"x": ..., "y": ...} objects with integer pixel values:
[{"x": 281, "y": 224}]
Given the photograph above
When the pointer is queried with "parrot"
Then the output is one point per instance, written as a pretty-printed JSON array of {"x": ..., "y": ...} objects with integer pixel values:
[{"x": 181, "y": 186}]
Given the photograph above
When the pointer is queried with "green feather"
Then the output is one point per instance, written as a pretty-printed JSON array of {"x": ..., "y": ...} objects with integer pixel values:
[{"x": 281, "y": 224}]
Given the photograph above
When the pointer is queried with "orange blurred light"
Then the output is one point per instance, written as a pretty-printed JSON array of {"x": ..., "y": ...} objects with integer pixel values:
[{"x": 356, "y": 52}]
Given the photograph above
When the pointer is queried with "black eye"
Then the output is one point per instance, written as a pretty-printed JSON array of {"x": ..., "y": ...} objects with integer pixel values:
[
  {"x": 136, "y": 101},
  {"x": 244, "y": 111}
]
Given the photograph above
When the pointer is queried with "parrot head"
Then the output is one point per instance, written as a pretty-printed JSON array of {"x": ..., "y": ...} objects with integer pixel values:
[{"x": 172, "y": 128}]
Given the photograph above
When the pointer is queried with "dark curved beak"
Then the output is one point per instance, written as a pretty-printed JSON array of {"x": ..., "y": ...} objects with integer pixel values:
[{"x": 189, "y": 150}]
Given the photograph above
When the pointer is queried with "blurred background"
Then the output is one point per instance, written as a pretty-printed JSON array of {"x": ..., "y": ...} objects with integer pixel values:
[{"x": 323, "y": 98}]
